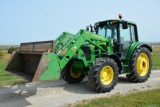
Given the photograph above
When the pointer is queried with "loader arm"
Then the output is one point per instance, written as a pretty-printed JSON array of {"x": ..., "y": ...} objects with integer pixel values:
[{"x": 75, "y": 43}]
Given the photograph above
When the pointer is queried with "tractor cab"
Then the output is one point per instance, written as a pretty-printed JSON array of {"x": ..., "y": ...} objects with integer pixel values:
[{"x": 122, "y": 34}]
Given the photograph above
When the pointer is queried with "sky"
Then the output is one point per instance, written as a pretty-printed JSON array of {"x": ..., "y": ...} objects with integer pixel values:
[{"x": 42, "y": 20}]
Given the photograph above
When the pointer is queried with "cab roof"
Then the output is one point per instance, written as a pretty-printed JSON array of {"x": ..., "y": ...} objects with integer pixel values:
[{"x": 116, "y": 20}]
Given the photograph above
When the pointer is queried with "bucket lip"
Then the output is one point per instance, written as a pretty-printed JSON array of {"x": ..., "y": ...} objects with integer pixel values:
[{"x": 22, "y": 75}]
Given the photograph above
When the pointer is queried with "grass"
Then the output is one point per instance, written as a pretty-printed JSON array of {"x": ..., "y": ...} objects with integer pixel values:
[
  {"x": 148, "y": 98},
  {"x": 5, "y": 77},
  {"x": 1, "y": 55},
  {"x": 156, "y": 58}
]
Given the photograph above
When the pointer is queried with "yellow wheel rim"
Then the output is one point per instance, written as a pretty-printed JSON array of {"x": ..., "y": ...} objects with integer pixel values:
[
  {"x": 74, "y": 75},
  {"x": 106, "y": 75},
  {"x": 142, "y": 64}
]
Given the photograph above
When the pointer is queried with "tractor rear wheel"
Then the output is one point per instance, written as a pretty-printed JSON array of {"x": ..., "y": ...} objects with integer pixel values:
[
  {"x": 103, "y": 74},
  {"x": 70, "y": 75},
  {"x": 141, "y": 64}
]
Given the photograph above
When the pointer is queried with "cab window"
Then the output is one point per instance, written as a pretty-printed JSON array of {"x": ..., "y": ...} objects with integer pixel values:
[{"x": 108, "y": 31}]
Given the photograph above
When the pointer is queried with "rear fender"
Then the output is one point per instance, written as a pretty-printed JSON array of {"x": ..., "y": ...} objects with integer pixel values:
[
  {"x": 145, "y": 45},
  {"x": 131, "y": 50}
]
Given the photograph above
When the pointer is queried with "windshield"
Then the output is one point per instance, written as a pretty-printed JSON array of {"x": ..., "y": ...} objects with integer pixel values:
[{"x": 108, "y": 31}]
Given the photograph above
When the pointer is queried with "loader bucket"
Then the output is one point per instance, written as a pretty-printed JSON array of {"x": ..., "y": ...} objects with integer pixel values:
[{"x": 35, "y": 62}]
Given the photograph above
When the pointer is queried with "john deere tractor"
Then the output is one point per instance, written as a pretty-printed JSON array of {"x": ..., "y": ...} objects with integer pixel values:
[{"x": 102, "y": 52}]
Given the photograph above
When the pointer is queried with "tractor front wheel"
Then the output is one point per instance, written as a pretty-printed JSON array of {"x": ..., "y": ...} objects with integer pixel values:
[
  {"x": 70, "y": 75},
  {"x": 141, "y": 64},
  {"x": 103, "y": 74}
]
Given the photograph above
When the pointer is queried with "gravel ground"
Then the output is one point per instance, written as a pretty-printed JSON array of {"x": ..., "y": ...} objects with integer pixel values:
[{"x": 59, "y": 93}]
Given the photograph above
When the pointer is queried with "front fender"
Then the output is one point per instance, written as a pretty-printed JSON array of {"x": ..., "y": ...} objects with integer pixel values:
[{"x": 115, "y": 58}]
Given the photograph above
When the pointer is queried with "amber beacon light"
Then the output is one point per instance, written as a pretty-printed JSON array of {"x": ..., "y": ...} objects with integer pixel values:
[{"x": 120, "y": 16}]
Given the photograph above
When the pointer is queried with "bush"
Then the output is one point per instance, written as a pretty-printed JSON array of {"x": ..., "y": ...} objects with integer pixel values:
[{"x": 11, "y": 49}]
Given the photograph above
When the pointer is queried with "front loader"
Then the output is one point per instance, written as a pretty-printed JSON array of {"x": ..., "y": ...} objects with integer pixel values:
[{"x": 102, "y": 52}]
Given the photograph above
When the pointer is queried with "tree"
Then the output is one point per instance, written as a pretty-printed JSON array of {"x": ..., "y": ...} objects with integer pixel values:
[{"x": 11, "y": 49}]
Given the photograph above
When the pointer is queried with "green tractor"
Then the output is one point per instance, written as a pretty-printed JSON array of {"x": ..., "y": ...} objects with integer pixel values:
[{"x": 102, "y": 52}]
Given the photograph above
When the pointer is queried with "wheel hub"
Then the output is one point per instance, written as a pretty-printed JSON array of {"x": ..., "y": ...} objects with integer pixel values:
[
  {"x": 142, "y": 64},
  {"x": 74, "y": 74},
  {"x": 106, "y": 75}
]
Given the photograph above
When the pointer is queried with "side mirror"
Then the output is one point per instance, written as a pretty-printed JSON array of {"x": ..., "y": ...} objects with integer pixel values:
[
  {"x": 125, "y": 25},
  {"x": 87, "y": 28},
  {"x": 90, "y": 28}
]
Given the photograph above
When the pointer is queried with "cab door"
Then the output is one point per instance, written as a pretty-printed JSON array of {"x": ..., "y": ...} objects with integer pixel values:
[{"x": 127, "y": 37}]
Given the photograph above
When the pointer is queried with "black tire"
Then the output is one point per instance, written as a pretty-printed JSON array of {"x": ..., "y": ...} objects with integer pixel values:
[
  {"x": 140, "y": 65},
  {"x": 70, "y": 78},
  {"x": 97, "y": 69}
]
